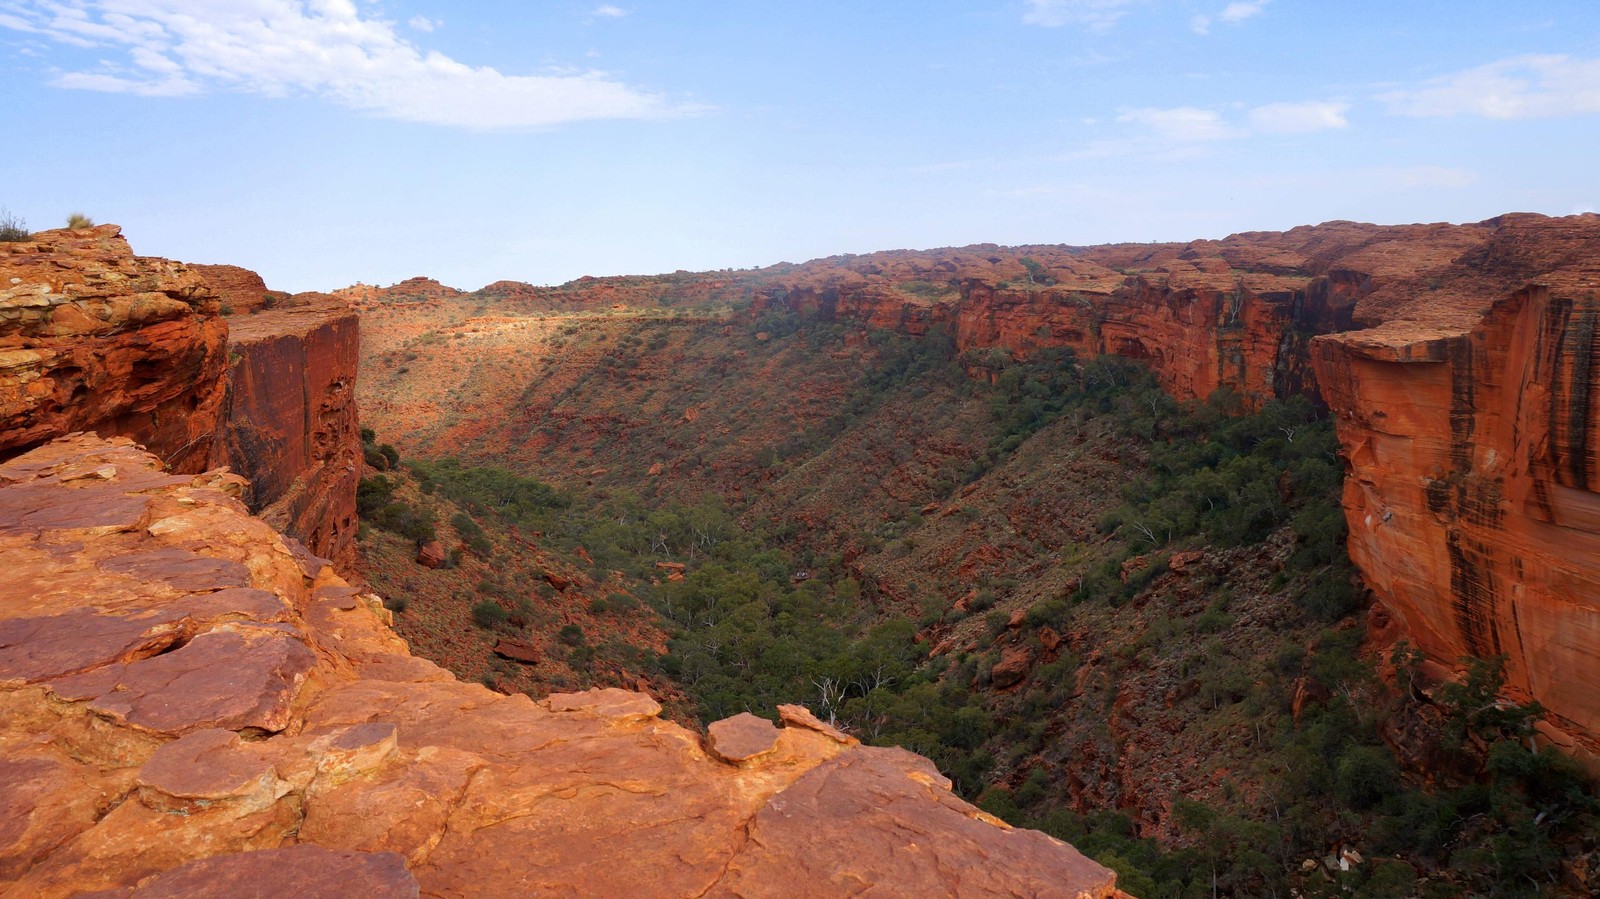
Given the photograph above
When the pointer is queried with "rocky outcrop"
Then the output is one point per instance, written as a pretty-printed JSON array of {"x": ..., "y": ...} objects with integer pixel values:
[
  {"x": 186, "y": 699},
  {"x": 290, "y": 424},
  {"x": 240, "y": 289},
  {"x": 93, "y": 337},
  {"x": 1468, "y": 419}
]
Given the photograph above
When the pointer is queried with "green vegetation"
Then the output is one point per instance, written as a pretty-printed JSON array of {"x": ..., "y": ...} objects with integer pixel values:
[
  {"x": 489, "y": 614},
  {"x": 376, "y": 504}
]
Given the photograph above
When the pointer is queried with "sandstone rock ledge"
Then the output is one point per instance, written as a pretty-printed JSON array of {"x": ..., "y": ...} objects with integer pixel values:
[{"x": 190, "y": 704}]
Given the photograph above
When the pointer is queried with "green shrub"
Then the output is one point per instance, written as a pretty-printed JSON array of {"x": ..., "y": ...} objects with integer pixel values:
[{"x": 489, "y": 614}]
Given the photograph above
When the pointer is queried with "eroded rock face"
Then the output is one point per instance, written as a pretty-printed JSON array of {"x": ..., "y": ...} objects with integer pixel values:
[
  {"x": 1469, "y": 422},
  {"x": 186, "y": 700},
  {"x": 290, "y": 424},
  {"x": 240, "y": 289},
  {"x": 93, "y": 337}
]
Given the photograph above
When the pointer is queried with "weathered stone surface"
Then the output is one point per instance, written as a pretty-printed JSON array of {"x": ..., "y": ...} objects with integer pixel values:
[
  {"x": 163, "y": 733},
  {"x": 516, "y": 651},
  {"x": 606, "y": 702},
  {"x": 233, "y": 677},
  {"x": 917, "y": 841},
  {"x": 302, "y": 871},
  {"x": 431, "y": 554},
  {"x": 800, "y": 716},
  {"x": 240, "y": 289},
  {"x": 93, "y": 337},
  {"x": 742, "y": 738}
]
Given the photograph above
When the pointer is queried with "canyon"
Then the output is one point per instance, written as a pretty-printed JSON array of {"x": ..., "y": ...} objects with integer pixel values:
[
  {"x": 1455, "y": 359},
  {"x": 194, "y": 693},
  {"x": 193, "y": 700}
]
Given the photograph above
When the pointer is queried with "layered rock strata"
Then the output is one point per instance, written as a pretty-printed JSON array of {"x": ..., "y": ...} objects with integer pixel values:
[
  {"x": 189, "y": 701},
  {"x": 93, "y": 337}
]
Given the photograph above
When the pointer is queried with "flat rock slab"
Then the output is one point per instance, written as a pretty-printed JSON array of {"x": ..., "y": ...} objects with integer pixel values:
[
  {"x": 741, "y": 739},
  {"x": 301, "y": 871},
  {"x": 607, "y": 702},
  {"x": 231, "y": 679},
  {"x": 800, "y": 716},
  {"x": 180, "y": 569},
  {"x": 30, "y": 507},
  {"x": 516, "y": 651},
  {"x": 205, "y": 766},
  {"x": 36, "y": 649}
]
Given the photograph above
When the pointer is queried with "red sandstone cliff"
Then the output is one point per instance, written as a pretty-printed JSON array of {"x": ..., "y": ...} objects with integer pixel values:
[
  {"x": 1468, "y": 419},
  {"x": 187, "y": 703},
  {"x": 93, "y": 337},
  {"x": 290, "y": 424}
]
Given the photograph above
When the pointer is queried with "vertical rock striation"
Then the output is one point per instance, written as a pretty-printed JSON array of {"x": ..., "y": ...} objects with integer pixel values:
[
  {"x": 94, "y": 338},
  {"x": 290, "y": 423},
  {"x": 1473, "y": 501}
]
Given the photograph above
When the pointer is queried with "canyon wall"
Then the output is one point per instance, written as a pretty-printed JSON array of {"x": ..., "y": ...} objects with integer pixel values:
[
  {"x": 190, "y": 703},
  {"x": 1460, "y": 361},
  {"x": 290, "y": 423},
  {"x": 1456, "y": 359},
  {"x": 1473, "y": 499}
]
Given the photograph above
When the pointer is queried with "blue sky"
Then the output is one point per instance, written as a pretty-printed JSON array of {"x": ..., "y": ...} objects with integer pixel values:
[{"x": 322, "y": 142}]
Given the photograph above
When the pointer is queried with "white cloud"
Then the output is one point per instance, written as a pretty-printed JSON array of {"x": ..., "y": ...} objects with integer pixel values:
[
  {"x": 1420, "y": 177},
  {"x": 1098, "y": 15},
  {"x": 1232, "y": 14},
  {"x": 1237, "y": 12},
  {"x": 325, "y": 48},
  {"x": 424, "y": 24},
  {"x": 1299, "y": 118},
  {"x": 1523, "y": 87},
  {"x": 1184, "y": 124},
  {"x": 608, "y": 11},
  {"x": 1185, "y": 128}
]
